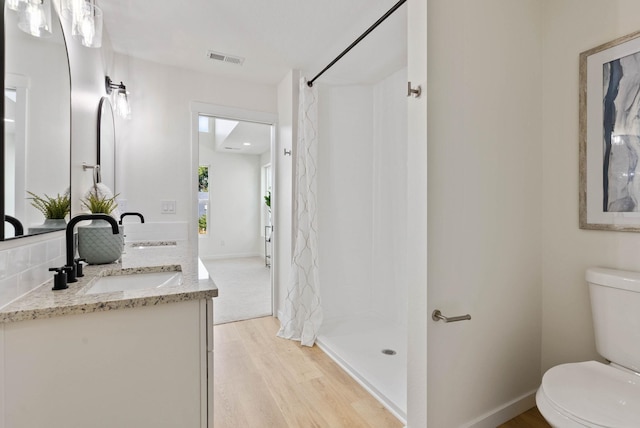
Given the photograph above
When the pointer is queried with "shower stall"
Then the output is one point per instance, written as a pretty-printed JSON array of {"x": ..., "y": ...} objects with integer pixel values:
[{"x": 362, "y": 217}]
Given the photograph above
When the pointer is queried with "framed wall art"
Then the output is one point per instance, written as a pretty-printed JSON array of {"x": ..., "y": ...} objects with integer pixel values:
[{"x": 610, "y": 135}]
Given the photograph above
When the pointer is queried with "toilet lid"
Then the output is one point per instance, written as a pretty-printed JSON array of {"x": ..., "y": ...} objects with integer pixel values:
[{"x": 595, "y": 393}]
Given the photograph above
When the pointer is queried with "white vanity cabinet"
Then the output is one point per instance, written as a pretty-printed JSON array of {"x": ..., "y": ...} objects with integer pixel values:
[{"x": 149, "y": 366}]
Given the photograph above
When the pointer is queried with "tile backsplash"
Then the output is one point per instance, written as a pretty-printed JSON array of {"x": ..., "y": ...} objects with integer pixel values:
[
  {"x": 156, "y": 231},
  {"x": 26, "y": 267}
]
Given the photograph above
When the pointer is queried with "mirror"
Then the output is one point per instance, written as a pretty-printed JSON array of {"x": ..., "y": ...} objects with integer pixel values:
[
  {"x": 107, "y": 144},
  {"x": 36, "y": 142}
]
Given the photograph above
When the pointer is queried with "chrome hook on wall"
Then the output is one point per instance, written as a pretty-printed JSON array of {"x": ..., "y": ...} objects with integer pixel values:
[
  {"x": 416, "y": 92},
  {"x": 96, "y": 172},
  {"x": 287, "y": 152}
]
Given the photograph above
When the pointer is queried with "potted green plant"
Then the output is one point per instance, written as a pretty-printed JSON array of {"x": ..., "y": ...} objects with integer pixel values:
[
  {"x": 267, "y": 202},
  {"x": 98, "y": 204},
  {"x": 202, "y": 224},
  {"x": 267, "y": 199},
  {"x": 54, "y": 209},
  {"x": 96, "y": 242}
]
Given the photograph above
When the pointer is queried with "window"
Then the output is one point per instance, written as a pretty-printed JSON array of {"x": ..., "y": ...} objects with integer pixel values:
[
  {"x": 203, "y": 198},
  {"x": 265, "y": 188}
]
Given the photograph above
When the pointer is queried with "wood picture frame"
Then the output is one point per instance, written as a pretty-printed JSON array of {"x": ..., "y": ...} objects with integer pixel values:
[{"x": 609, "y": 122}]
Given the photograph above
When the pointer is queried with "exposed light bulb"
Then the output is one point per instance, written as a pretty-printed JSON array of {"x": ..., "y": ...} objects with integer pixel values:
[
  {"x": 13, "y": 4},
  {"x": 87, "y": 30},
  {"x": 86, "y": 22},
  {"x": 123, "y": 109},
  {"x": 34, "y": 17},
  {"x": 75, "y": 9}
]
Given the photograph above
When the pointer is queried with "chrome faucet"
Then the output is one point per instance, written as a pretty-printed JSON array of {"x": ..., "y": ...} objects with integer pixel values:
[{"x": 72, "y": 264}]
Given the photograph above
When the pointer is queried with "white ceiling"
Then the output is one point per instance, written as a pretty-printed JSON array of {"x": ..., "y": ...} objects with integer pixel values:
[
  {"x": 273, "y": 36},
  {"x": 240, "y": 137}
]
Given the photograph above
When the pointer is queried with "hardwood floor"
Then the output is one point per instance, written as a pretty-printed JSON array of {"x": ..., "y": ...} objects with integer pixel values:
[
  {"x": 262, "y": 381},
  {"x": 530, "y": 419}
]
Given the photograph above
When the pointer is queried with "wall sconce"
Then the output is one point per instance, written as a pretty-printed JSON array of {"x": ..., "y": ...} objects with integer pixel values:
[
  {"x": 120, "y": 97},
  {"x": 34, "y": 16},
  {"x": 13, "y": 4},
  {"x": 86, "y": 21}
]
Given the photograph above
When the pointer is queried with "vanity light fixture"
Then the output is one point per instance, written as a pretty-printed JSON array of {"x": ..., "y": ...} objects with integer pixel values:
[
  {"x": 34, "y": 16},
  {"x": 14, "y": 4},
  {"x": 120, "y": 97},
  {"x": 86, "y": 21}
]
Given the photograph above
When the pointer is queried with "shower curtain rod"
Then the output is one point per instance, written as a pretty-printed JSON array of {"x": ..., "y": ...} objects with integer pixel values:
[{"x": 358, "y": 40}]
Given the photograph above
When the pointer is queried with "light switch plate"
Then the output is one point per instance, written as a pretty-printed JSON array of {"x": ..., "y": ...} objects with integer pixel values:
[{"x": 167, "y": 207}]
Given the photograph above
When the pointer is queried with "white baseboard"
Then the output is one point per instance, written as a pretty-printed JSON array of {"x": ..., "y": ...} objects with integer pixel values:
[{"x": 505, "y": 412}]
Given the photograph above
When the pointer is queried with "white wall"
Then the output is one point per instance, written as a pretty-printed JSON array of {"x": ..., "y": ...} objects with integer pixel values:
[
  {"x": 154, "y": 147},
  {"x": 234, "y": 205},
  {"x": 417, "y": 314},
  {"x": 571, "y": 27},
  {"x": 484, "y": 191},
  {"x": 281, "y": 195}
]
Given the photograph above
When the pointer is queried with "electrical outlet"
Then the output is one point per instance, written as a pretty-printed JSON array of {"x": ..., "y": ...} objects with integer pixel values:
[
  {"x": 122, "y": 205},
  {"x": 167, "y": 207}
]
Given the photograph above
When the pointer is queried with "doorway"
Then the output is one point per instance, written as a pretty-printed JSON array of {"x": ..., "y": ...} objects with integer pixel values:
[{"x": 234, "y": 220}]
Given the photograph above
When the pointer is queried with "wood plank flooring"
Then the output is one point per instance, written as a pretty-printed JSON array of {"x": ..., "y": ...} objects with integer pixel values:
[
  {"x": 530, "y": 419},
  {"x": 263, "y": 381}
]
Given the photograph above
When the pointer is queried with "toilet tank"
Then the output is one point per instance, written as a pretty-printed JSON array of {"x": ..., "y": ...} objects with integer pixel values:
[{"x": 615, "y": 305}]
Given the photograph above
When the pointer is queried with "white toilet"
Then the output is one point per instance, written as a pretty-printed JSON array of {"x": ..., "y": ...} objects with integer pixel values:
[{"x": 590, "y": 393}]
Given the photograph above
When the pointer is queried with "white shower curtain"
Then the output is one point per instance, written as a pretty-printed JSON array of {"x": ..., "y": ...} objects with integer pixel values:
[{"x": 302, "y": 314}]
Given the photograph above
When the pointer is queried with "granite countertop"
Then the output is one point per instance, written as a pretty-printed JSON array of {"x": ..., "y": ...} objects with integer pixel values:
[{"x": 138, "y": 257}]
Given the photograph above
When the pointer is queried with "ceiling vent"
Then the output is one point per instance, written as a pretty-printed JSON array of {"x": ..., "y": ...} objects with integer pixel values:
[{"x": 218, "y": 56}]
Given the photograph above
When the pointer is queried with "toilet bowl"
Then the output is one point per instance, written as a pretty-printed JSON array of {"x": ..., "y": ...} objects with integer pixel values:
[
  {"x": 590, "y": 394},
  {"x": 594, "y": 394}
]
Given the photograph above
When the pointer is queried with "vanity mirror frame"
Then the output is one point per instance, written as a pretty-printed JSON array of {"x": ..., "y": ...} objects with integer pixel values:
[
  {"x": 58, "y": 27},
  {"x": 2, "y": 157}
]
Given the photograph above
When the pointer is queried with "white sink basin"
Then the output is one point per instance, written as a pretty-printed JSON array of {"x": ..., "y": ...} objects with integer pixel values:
[{"x": 134, "y": 281}]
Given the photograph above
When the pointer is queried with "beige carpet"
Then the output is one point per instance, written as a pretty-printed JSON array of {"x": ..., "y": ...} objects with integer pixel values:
[{"x": 244, "y": 288}]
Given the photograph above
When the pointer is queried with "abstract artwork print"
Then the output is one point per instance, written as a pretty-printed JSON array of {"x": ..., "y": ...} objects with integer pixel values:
[{"x": 621, "y": 127}]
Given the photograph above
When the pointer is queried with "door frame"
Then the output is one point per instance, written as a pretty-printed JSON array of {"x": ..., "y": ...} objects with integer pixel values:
[
  {"x": 418, "y": 315},
  {"x": 231, "y": 113}
]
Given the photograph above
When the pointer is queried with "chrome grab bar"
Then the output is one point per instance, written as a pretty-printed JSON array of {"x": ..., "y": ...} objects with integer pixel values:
[{"x": 437, "y": 316}]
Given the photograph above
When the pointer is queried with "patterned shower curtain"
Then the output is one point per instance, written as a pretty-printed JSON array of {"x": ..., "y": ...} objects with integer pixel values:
[{"x": 302, "y": 314}]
